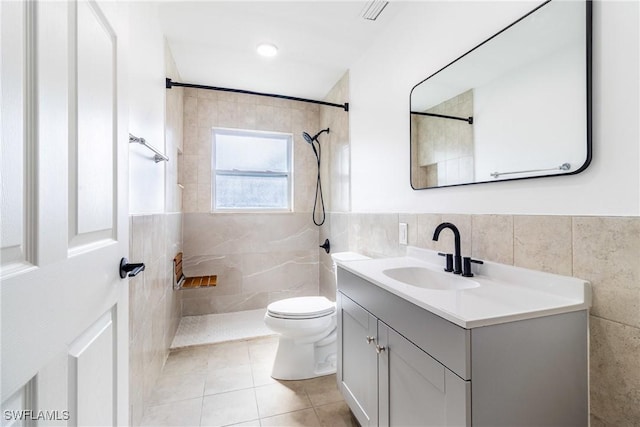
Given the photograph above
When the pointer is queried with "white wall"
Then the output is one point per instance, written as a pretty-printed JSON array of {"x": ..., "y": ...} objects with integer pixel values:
[
  {"x": 514, "y": 129},
  {"x": 440, "y": 32},
  {"x": 147, "y": 108}
]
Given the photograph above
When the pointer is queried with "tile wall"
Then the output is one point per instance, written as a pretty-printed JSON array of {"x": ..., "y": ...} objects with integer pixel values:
[
  {"x": 602, "y": 250},
  {"x": 436, "y": 161},
  {"x": 154, "y": 307},
  {"x": 258, "y": 257},
  {"x": 336, "y": 177},
  {"x": 335, "y": 149}
]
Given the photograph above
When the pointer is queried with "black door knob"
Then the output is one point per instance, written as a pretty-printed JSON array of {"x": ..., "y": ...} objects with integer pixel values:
[{"x": 131, "y": 269}]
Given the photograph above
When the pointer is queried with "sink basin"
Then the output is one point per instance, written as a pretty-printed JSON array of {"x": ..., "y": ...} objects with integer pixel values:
[{"x": 429, "y": 279}]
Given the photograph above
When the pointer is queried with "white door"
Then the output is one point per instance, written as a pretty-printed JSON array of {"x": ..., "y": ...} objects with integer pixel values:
[{"x": 64, "y": 213}]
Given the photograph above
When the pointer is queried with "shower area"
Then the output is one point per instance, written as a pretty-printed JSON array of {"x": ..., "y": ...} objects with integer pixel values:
[{"x": 258, "y": 256}]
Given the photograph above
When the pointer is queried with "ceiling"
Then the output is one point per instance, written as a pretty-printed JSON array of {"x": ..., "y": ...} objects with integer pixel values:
[{"x": 214, "y": 42}]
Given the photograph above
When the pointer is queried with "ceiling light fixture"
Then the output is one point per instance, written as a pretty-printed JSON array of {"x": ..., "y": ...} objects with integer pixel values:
[
  {"x": 267, "y": 49},
  {"x": 373, "y": 9}
]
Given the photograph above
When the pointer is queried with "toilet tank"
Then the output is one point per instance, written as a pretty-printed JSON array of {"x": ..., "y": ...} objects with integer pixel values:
[{"x": 346, "y": 256}]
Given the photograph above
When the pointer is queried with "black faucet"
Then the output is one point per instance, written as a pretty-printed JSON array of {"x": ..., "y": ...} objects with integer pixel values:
[{"x": 457, "y": 259}]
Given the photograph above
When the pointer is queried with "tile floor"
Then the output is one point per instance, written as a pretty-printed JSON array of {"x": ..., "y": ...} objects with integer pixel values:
[{"x": 229, "y": 384}]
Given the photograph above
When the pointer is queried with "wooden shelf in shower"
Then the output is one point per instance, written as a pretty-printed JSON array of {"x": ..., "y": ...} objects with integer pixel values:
[
  {"x": 184, "y": 282},
  {"x": 199, "y": 282}
]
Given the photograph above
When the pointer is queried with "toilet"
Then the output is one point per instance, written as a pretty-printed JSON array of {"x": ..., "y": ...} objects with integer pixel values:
[
  {"x": 307, "y": 345},
  {"x": 307, "y": 327}
]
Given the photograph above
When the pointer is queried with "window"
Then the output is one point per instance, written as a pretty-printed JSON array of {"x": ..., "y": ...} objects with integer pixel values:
[{"x": 251, "y": 170}]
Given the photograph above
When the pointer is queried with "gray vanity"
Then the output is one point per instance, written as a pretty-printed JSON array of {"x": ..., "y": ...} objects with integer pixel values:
[{"x": 509, "y": 349}]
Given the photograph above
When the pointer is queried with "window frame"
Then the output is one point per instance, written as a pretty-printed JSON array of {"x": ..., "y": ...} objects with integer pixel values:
[{"x": 252, "y": 173}]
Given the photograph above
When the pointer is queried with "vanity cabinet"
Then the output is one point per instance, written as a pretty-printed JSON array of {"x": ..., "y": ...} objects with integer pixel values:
[
  {"x": 401, "y": 365},
  {"x": 359, "y": 364},
  {"x": 389, "y": 381}
]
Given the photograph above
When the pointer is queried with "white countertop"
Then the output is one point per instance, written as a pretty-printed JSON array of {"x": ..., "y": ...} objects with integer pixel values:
[{"x": 505, "y": 294}]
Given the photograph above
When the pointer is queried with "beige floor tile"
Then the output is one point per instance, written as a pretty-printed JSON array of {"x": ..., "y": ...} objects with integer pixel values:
[
  {"x": 229, "y": 408},
  {"x": 281, "y": 397},
  {"x": 336, "y": 415},
  {"x": 172, "y": 388},
  {"x": 304, "y": 418},
  {"x": 226, "y": 354},
  {"x": 262, "y": 374},
  {"x": 263, "y": 351},
  {"x": 235, "y": 379},
  {"x": 230, "y": 378},
  {"x": 186, "y": 361},
  {"x": 323, "y": 390},
  {"x": 185, "y": 413},
  {"x": 252, "y": 423}
]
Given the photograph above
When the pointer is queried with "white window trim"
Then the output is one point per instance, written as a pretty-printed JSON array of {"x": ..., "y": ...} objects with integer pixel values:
[{"x": 290, "y": 174}]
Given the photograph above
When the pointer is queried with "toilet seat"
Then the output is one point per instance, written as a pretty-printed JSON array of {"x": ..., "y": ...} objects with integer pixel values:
[{"x": 301, "y": 308}]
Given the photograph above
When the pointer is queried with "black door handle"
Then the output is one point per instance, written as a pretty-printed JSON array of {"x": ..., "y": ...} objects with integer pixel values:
[{"x": 131, "y": 269}]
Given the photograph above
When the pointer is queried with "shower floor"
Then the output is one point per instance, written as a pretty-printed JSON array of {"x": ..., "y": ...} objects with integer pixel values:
[{"x": 216, "y": 328}]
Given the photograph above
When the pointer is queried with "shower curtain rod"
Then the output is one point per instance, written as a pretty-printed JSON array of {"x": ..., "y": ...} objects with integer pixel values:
[
  {"x": 170, "y": 84},
  {"x": 464, "y": 119}
]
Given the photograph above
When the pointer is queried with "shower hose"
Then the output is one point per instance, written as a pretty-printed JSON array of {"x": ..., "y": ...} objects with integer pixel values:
[{"x": 318, "y": 193}]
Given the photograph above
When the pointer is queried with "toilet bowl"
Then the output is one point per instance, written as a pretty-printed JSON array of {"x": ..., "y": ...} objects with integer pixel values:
[
  {"x": 307, "y": 343},
  {"x": 307, "y": 327}
]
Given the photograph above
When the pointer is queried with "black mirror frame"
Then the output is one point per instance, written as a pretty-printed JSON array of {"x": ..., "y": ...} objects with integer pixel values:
[{"x": 589, "y": 99}]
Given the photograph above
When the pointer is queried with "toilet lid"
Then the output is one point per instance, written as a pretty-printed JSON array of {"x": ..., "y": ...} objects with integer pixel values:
[{"x": 301, "y": 308}]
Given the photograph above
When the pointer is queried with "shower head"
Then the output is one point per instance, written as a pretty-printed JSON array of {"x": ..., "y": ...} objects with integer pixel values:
[
  {"x": 310, "y": 138},
  {"x": 307, "y": 137}
]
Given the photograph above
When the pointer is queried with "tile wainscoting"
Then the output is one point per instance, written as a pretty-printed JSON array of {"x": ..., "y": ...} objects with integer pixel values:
[
  {"x": 602, "y": 250},
  {"x": 154, "y": 308}
]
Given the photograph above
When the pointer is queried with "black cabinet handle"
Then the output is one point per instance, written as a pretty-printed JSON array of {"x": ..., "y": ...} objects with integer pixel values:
[{"x": 131, "y": 269}]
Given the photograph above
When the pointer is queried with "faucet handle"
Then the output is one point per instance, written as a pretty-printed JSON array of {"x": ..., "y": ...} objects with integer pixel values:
[
  {"x": 449, "y": 261},
  {"x": 466, "y": 265}
]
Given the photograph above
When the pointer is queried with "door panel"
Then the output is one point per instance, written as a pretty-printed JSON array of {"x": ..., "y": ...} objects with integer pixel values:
[
  {"x": 91, "y": 369},
  {"x": 358, "y": 378},
  {"x": 15, "y": 143},
  {"x": 413, "y": 397},
  {"x": 64, "y": 307},
  {"x": 416, "y": 390},
  {"x": 95, "y": 140}
]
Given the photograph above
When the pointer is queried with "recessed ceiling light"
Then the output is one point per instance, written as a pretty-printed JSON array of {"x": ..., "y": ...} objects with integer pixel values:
[{"x": 267, "y": 49}]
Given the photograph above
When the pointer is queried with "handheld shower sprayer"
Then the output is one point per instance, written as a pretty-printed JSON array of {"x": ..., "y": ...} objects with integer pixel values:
[{"x": 313, "y": 141}]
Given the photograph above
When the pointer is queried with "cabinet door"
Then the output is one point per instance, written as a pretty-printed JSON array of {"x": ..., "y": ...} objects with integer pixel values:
[
  {"x": 415, "y": 389},
  {"x": 357, "y": 360}
]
